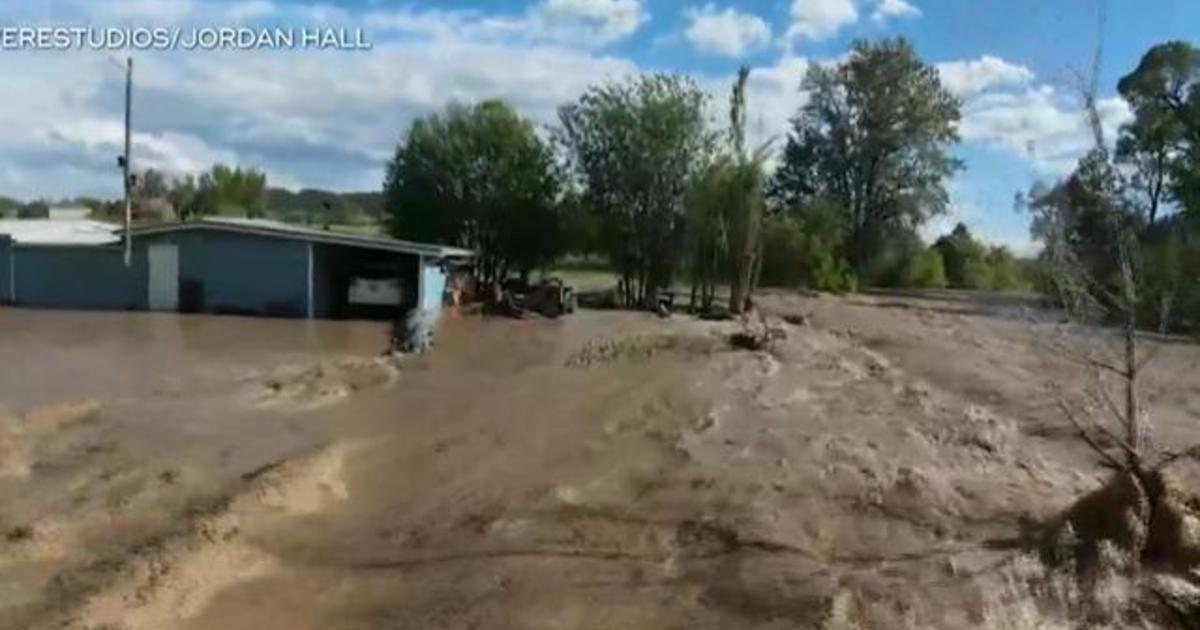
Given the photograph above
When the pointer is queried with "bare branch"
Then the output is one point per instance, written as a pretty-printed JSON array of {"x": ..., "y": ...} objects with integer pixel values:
[
  {"x": 1172, "y": 457},
  {"x": 1087, "y": 437},
  {"x": 1113, "y": 437},
  {"x": 1078, "y": 356}
]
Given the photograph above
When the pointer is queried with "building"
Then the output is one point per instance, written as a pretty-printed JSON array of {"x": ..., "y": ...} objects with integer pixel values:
[
  {"x": 231, "y": 266},
  {"x": 68, "y": 213}
]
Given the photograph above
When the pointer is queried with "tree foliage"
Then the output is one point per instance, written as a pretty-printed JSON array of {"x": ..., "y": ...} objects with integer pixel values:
[
  {"x": 822, "y": 246},
  {"x": 964, "y": 259},
  {"x": 725, "y": 208},
  {"x": 478, "y": 176},
  {"x": 635, "y": 147},
  {"x": 873, "y": 138},
  {"x": 1162, "y": 142},
  {"x": 926, "y": 270}
]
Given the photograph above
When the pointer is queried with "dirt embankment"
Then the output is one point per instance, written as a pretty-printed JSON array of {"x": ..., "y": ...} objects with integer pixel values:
[{"x": 885, "y": 465}]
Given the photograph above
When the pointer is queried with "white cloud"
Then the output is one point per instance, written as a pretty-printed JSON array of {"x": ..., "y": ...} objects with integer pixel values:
[
  {"x": 1040, "y": 125},
  {"x": 726, "y": 32},
  {"x": 251, "y": 9},
  {"x": 156, "y": 11},
  {"x": 969, "y": 77},
  {"x": 820, "y": 19},
  {"x": 610, "y": 20},
  {"x": 591, "y": 23},
  {"x": 313, "y": 118},
  {"x": 894, "y": 9}
]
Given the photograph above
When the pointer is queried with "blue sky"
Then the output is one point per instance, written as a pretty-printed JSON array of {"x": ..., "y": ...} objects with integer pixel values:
[{"x": 330, "y": 118}]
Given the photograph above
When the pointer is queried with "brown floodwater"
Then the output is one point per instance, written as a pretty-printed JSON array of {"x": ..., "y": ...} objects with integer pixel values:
[
  {"x": 603, "y": 470},
  {"x": 54, "y": 356}
]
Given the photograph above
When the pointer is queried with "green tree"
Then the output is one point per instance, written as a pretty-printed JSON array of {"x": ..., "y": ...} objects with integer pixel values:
[
  {"x": 636, "y": 146},
  {"x": 480, "y": 177},
  {"x": 239, "y": 191},
  {"x": 964, "y": 259},
  {"x": 1082, "y": 217},
  {"x": 182, "y": 195},
  {"x": 8, "y": 206},
  {"x": 151, "y": 184},
  {"x": 725, "y": 209},
  {"x": 1004, "y": 270},
  {"x": 783, "y": 251},
  {"x": 1162, "y": 142},
  {"x": 34, "y": 210},
  {"x": 926, "y": 270},
  {"x": 825, "y": 267},
  {"x": 874, "y": 139}
]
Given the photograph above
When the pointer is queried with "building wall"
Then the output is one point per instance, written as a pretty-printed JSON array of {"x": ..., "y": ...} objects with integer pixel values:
[
  {"x": 219, "y": 272},
  {"x": 243, "y": 274},
  {"x": 6, "y": 256},
  {"x": 434, "y": 285},
  {"x": 79, "y": 276}
]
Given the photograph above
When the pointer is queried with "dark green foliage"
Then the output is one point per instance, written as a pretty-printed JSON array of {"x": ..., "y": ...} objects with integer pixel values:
[
  {"x": 725, "y": 209},
  {"x": 323, "y": 207},
  {"x": 926, "y": 270},
  {"x": 480, "y": 177},
  {"x": 965, "y": 259},
  {"x": 885, "y": 255},
  {"x": 33, "y": 210},
  {"x": 8, "y": 206},
  {"x": 783, "y": 252},
  {"x": 635, "y": 146},
  {"x": 823, "y": 248},
  {"x": 219, "y": 191},
  {"x": 873, "y": 138},
  {"x": 1162, "y": 142},
  {"x": 1005, "y": 271}
]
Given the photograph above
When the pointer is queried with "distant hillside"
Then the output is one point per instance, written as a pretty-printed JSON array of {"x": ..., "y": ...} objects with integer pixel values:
[{"x": 321, "y": 207}]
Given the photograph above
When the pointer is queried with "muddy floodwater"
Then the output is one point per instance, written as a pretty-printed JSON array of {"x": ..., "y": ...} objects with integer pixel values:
[
  {"x": 605, "y": 470},
  {"x": 53, "y": 356}
]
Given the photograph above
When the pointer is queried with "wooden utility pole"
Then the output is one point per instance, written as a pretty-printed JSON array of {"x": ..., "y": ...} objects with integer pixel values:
[{"x": 126, "y": 167}]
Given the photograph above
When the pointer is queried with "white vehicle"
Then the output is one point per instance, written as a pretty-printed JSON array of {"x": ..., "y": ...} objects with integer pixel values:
[{"x": 375, "y": 291}]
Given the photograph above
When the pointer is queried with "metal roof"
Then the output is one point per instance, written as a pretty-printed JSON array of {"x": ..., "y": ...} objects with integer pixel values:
[
  {"x": 265, "y": 227},
  {"x": 60, "y": 231}
]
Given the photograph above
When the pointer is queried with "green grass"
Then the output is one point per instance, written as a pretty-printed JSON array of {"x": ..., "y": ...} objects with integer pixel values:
[{"x": 584, "y": 273}]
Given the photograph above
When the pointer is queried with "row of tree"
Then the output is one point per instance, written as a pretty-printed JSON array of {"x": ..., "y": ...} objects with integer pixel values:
[
  {"x": 635, "y": 171},
  {"x": 1137, "y": 210}
]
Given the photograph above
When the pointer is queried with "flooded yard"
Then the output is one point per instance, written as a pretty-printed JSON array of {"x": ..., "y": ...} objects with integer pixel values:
[{"x": 603, "y": 470}]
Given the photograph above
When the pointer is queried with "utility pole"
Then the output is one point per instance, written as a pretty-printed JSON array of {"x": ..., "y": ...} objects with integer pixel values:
[{"x": 125, "y": 164}]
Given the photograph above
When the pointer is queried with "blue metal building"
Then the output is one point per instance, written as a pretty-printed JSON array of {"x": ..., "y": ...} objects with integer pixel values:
[{"x": 233, "y": 266}]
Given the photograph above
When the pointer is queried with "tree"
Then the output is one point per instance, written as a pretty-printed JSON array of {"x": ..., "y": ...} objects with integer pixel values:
[
  {"x": 746, "y": 204},
  {"x": 480, "y": 177},
  {"x": 152, "y": 184},
  {"x": 182, "y": 196},
  {"x": 34, "y": 210},
  {"x": 1110, "y": 414},
  {"x": 873, "y": 139},
  {"x": 238, "y": 190},
  {"x": 926, "y": 270},
  {"x": 725, "y": 208},
  {"x": 964, "y": 259},
  {"x": 635, "y": 147},
  {"x": 1004, "y": 270},
  {"x": 825, "y": 268},
  {"x": 1162, "y": 142},
  {"x": 8, "y": 206}
]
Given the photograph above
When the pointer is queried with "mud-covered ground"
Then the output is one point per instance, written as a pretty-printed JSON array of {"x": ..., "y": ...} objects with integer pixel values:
[{"x": 877, "y": 469}]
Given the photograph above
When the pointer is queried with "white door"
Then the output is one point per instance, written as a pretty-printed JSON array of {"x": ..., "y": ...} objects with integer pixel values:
[{"x": 164, "y": 277}]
